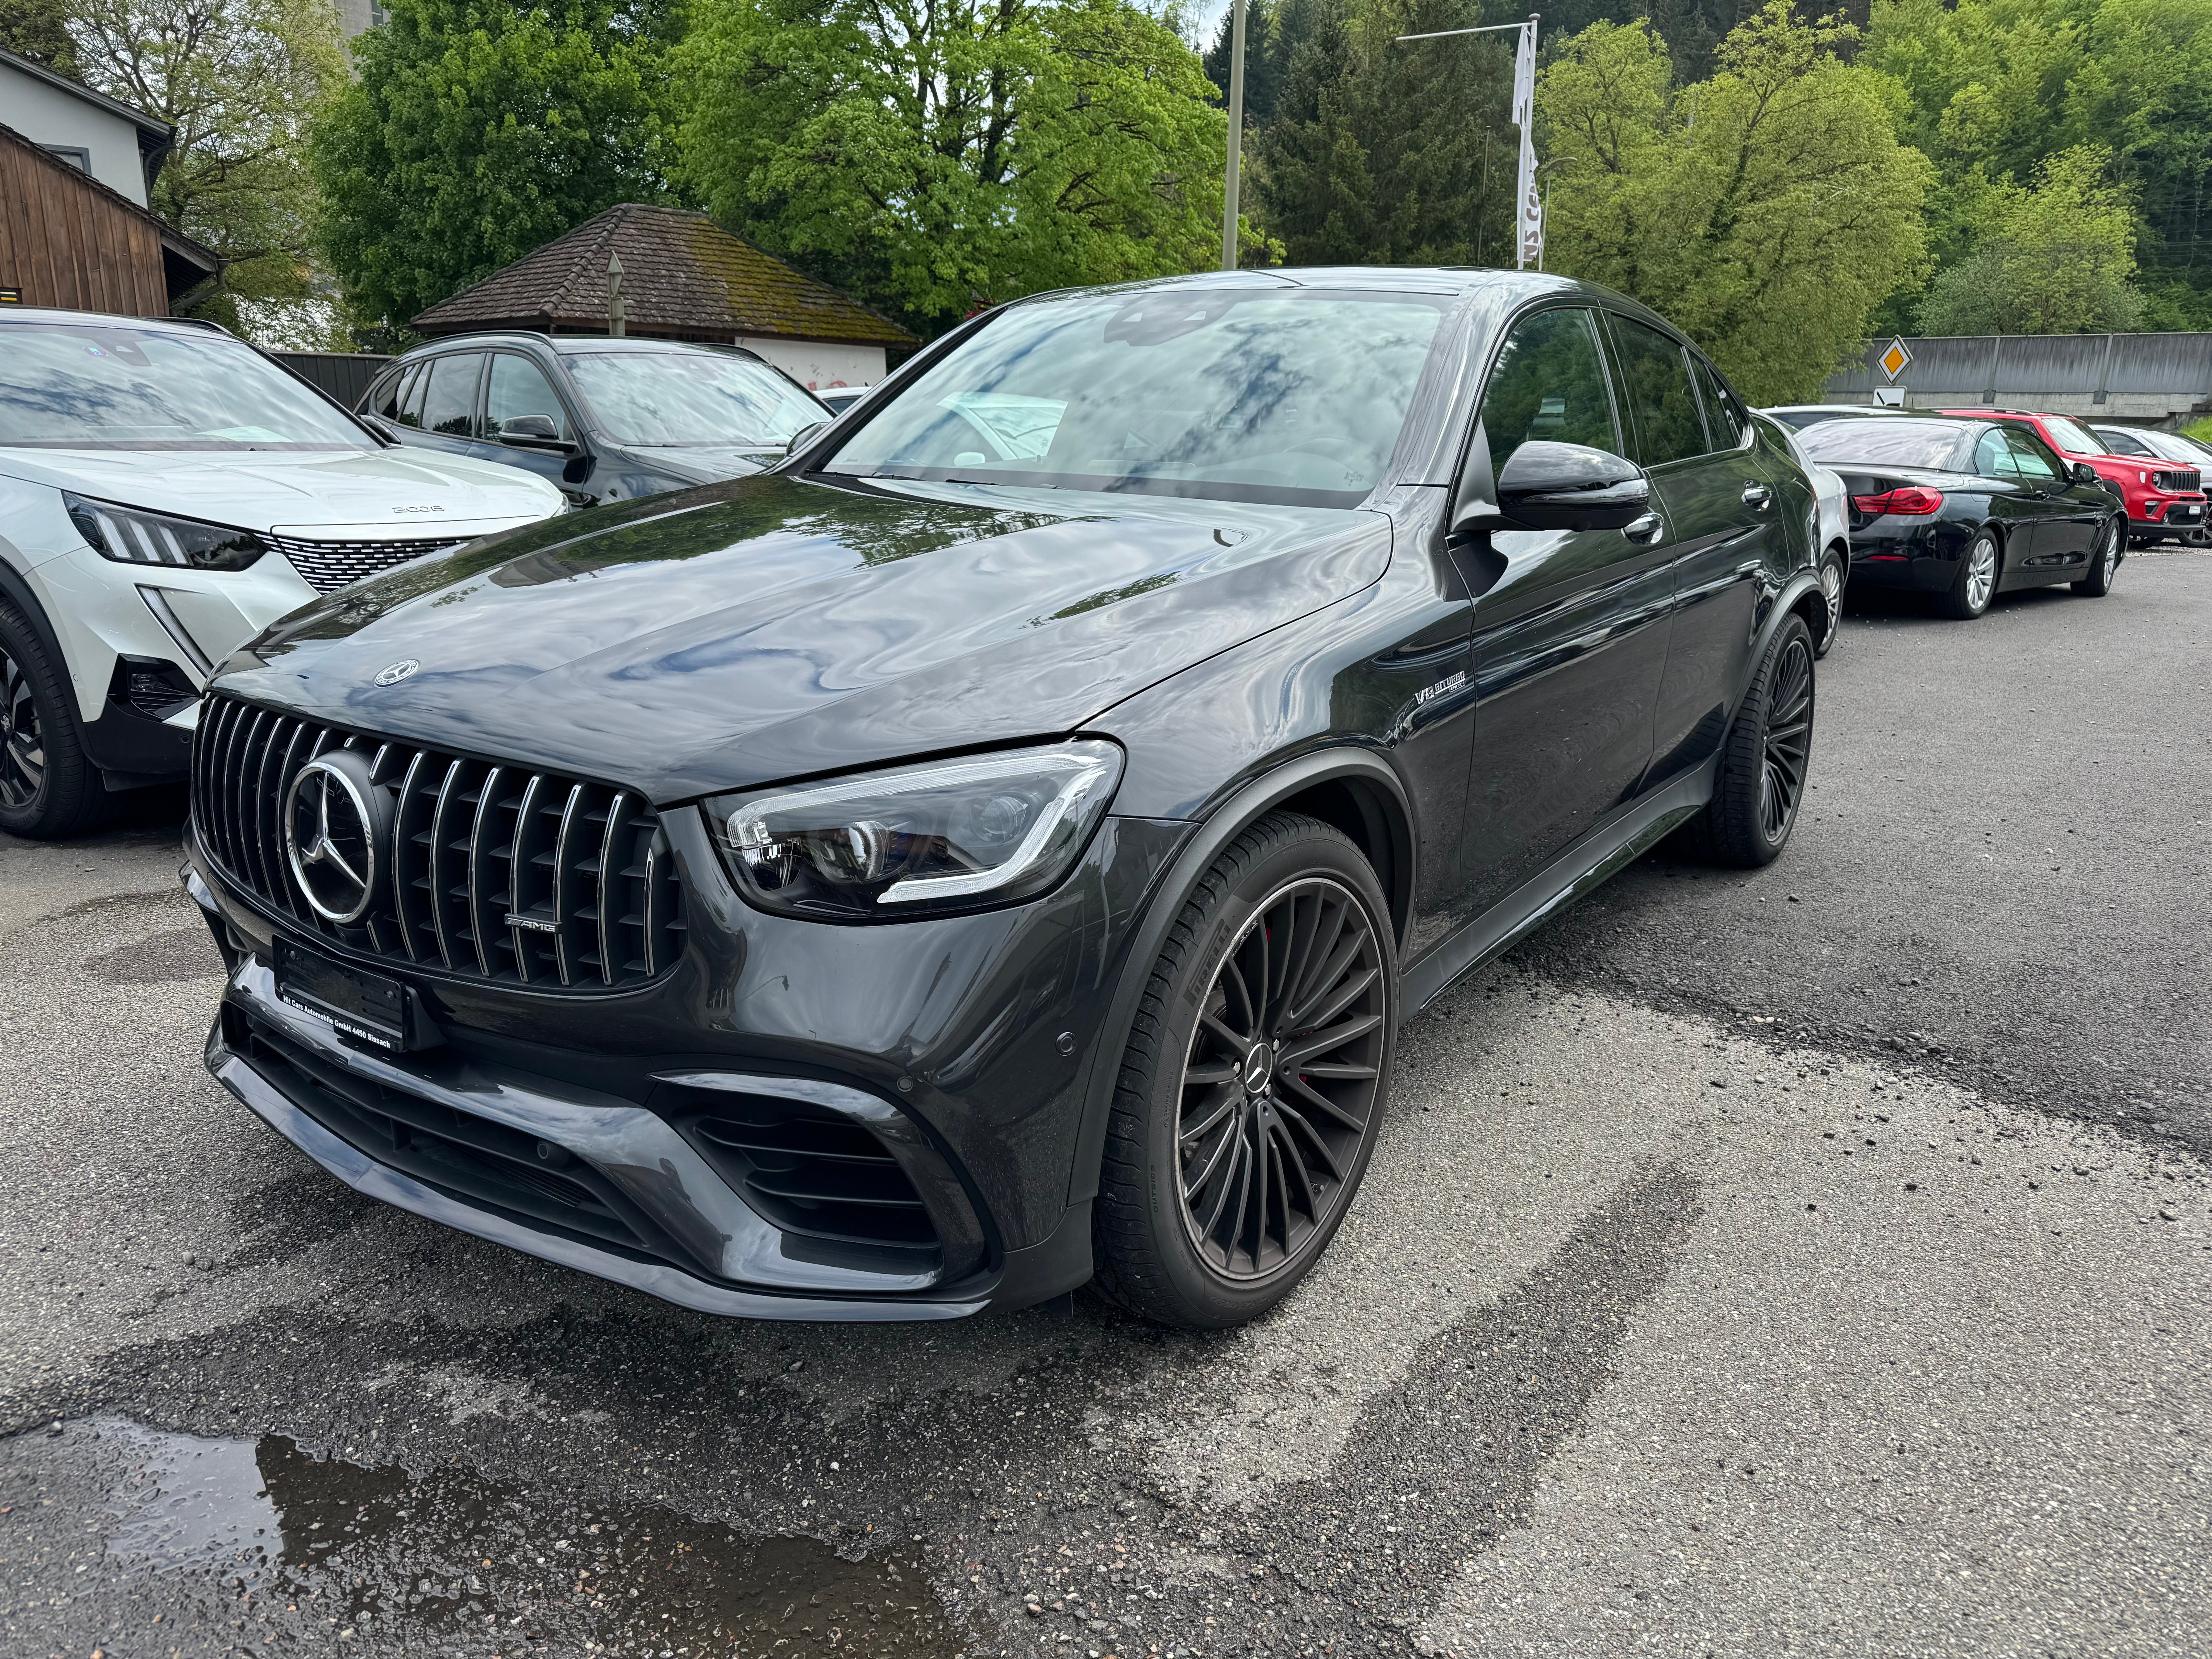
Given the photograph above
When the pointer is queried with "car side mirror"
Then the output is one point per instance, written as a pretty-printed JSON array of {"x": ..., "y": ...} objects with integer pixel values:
[
  {"x": 2085, "y": 473},
  {"x": 532, "y": 432},
  {"x": 804, "y": 436},
  {"x": 1554, "y": 486}
]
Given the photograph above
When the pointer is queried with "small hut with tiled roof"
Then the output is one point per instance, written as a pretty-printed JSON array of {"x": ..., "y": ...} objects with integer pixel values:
[{"x": 683, "y": 277}]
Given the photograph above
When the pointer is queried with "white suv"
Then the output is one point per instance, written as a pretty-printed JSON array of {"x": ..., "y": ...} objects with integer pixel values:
[{"x": 165, "y": 493}]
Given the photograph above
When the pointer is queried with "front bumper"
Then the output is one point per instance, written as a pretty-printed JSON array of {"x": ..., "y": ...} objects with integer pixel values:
[
  {"x": 958, "y": 1050},
  {"x": 2170, "y": 517}
]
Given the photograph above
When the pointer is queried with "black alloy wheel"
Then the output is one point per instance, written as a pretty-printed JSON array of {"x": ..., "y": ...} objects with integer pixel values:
[
  {"x": 1766, "y": 759},
  {"x": 1255, "y": 1082},
  {"x": 2104, "y": 563},
  {"x": 48, "y": 785},
  {"x": 1834, "y": 571},
  {"x": 22, "y": 753}
]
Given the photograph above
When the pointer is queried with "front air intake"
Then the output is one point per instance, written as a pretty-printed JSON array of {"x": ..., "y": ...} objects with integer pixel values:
[{"x": 488, "y": 870}]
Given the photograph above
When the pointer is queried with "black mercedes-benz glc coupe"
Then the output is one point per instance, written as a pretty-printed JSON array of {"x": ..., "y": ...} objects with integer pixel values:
[{"x": 996, "y": 849}]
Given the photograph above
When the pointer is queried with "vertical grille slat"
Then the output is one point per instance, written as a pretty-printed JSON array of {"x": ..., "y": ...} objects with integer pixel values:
[{"x": 469, "y": 843}]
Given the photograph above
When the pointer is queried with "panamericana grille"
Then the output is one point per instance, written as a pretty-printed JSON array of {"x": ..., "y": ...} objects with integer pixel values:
[
  {"x": 2185, "y": 479},
  {"x": 493, "y": 871},
  {"x": 327, "y": 566}
]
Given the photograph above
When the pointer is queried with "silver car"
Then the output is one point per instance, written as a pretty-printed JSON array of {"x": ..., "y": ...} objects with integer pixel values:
[{"x": 1832, "y": 533}]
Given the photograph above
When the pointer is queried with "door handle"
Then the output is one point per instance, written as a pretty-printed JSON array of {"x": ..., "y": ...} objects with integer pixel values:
[
  {"x": 1757, "y": 495},
  {"x": 1645, "y": 529}
]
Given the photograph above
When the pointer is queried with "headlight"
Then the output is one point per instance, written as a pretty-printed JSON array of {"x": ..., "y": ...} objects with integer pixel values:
[
  {"x": 130, "y": 535},
  {"x": 919, "y": 839}
]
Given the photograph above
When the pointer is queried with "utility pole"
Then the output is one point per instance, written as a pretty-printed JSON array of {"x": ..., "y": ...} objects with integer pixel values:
[{"x": 1235, "y": 137}]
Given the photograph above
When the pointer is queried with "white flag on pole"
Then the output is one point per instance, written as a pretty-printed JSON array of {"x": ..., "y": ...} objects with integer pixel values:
[{"x": 1528, "y": 245}]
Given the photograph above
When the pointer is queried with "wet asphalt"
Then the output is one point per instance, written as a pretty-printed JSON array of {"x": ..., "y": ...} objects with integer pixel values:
[{"x": 1809, "y": 1261}]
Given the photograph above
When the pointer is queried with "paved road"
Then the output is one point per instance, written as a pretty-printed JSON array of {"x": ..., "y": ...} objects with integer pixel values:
[{"x": 1680, "y": 1313}]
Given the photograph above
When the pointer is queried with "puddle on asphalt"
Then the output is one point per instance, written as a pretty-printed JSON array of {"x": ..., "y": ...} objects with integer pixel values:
[{"x": 450, "y": 1562}]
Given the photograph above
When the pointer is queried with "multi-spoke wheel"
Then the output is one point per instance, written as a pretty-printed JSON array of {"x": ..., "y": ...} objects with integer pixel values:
[
  {"x": 1975, "y": 583},
  {"x": 1255, "y": 1080},
  {"x": 1279, "y": 1088},
  {"x": 1765, "y": 758},
  {"x": 1833, "y": 570},
  {"x": 2104, "y": 563},
  {"x": 47, "y": 785}
]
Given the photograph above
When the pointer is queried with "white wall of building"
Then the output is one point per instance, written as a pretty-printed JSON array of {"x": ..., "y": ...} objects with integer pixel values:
[
  {"x": 46, "y": 114},
  {"x": 817, "y": 366}
]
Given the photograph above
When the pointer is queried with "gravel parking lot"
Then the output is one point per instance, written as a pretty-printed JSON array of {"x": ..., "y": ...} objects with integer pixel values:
[{"x": 1808, "y": 1261}]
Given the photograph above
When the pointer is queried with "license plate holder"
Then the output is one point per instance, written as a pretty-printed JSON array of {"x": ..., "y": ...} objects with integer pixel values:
[{"x": 372, "y": 1007}]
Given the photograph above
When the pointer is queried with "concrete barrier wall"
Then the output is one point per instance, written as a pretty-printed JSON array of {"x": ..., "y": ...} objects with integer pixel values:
[{"x": 2158, "y": 379}]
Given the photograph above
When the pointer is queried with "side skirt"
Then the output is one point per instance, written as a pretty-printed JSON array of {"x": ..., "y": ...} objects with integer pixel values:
[{"x": 1562, "y": 883}]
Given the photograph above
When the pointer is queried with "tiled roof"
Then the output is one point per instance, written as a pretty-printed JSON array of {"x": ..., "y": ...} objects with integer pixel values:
[{"x": 683, "y": 277}]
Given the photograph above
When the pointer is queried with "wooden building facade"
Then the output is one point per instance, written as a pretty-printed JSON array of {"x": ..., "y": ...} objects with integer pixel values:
[{"x": 68, "y": 240}]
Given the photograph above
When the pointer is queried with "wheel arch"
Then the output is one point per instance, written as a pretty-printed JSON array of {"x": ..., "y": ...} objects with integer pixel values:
[{"x": 1348, "y": 787}]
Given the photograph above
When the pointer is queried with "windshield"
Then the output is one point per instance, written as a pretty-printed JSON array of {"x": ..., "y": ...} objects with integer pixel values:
[
  {"x": 691, "y": 398},
  {"x": 2073, "y": 440},
  {"x": 1245, "y": 394},
  {"x": 2174, "y": 446},
  {"x": 1872, "y": 441},
  {"x": 99, "y": 385}
]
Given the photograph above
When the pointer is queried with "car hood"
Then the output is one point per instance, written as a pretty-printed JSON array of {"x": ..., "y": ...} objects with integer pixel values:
[
  {"x": 704, "y": 463},
  {"x": 396, "y": 492},
  {"x": 770, "y": 628}
]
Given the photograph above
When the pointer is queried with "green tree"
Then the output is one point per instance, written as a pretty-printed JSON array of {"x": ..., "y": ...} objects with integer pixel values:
[
  {"x": 2053, "y": 258},
  {"x": 241, "y": 80},
  {"x": 478, "y": 130},
  {"x": 1767, "y": 211},
  {"x": 928, "y": 157},
  {"x": 1385, "y": 151},
  {"x": 37, "y": 30}
]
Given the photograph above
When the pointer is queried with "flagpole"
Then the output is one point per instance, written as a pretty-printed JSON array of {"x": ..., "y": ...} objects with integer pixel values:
[
  {"x": 1236, "y": 138},
  {"x": 1528, "y": 209}
]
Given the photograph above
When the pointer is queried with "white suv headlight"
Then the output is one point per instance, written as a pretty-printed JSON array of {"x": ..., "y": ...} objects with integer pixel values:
[{"x": 131, "y": 535}]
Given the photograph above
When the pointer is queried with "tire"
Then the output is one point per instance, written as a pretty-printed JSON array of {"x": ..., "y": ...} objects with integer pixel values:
[
  {"x": 49, "y": 787},
  {"x": 1976, "y": 585},
  {"x": 2104, "y": 563},
  {"x": 1180, "y": 1235},
  {"x": 1835, "y": 572},
  {"x": 1765, "y": 762}
]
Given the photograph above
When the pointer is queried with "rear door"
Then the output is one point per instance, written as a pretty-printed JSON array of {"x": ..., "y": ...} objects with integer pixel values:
[
  {"x": 1570, "y": 638},
  {"x": 1719, "y": 502},
  {"x": 446, "y": 406}
]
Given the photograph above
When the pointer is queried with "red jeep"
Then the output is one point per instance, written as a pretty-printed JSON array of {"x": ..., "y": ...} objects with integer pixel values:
[{"x": 2163, "y": 498}]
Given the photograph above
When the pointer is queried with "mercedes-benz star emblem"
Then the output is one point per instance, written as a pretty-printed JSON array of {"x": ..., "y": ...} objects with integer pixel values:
[
  {"x": 335, "y": 820},
  {"x": 392, "y": 672}
]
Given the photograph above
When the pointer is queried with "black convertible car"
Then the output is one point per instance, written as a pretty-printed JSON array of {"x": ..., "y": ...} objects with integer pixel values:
[
  {"x": 997, "y": 847},
  {"x": 1967, "y": 510}
]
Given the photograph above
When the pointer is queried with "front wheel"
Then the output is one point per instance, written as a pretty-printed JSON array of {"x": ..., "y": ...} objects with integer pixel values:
[
  {"x": 2104, "y": 563},
  {"x": 1976, "y": 583},
  {"x": 1765, "y": 761},
  {"x": 49, "y": 787},
  {"x": 1254, "y": 1083}
]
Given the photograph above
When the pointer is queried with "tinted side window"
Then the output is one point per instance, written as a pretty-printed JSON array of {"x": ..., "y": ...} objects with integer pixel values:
[
  {"x": 1993, "y": 457},
  {"x": 2117, "y": 442},
  {"x": 520, "y": 388},
  {"x": 383, "y": 397},
  {"x": 450, "y": 404},
  {"x": 1725, "y": 421},
  {"x": 1548, "y": 383},
  {"x": 1655, "y": 374},
  {"x": 2037, "y": 463},
  {"x": 407, "y": 402}
]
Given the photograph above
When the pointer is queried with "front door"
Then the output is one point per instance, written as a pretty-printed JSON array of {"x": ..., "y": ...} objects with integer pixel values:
[
  {"x": 1570, "y": 639},
  {"x": 516, "y": 390},
  {"x": 2019, "y": 511},
  {"x": 2069, "y": 512}
]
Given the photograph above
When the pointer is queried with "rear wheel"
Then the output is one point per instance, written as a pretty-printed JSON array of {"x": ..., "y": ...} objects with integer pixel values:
[
  {"x": 1764, "y": 763},
  {"x": 48, "y": 787},
  {"x": 1976, "y": 583},
  {"x": 1254, "y": 1083},
  {"x": 2104, "y": 563},
  {"x": 1832, "y": 574}
]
